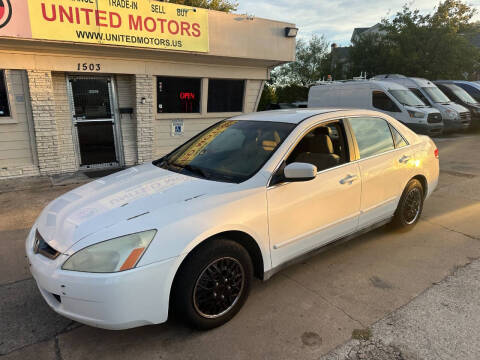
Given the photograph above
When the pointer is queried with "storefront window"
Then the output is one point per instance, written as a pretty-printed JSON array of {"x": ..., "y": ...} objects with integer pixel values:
[
  {"x": 225, "y": 95},
  {"x": 4, "y": 109},
  {"x": 178, "y": 95}
]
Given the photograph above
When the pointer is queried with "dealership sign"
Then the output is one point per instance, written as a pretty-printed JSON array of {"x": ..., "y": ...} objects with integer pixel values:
[{"x": 142, "y": 23}]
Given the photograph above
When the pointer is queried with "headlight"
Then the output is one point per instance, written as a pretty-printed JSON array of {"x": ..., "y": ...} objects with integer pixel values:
[
  {"x": 119, "y": 254},
  {"x": 416, "y": 114},
  {"x": 451, "y": 114}
]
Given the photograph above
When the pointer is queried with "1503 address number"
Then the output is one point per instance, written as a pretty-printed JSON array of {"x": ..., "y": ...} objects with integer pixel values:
[{"x": 89, "y": 67}]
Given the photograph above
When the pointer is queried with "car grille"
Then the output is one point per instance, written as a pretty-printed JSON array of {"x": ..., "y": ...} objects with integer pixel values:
[
  {"x": 434, "y": 118},
  {"x": 465, "y": 117},
  {"x": 40, "y": 246}
]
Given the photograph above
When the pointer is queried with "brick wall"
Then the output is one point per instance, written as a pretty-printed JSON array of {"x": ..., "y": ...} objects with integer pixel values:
[
  {"x": 126, "y": 99},
  {"x": 68, "y": 161},
  {"x": 144, "y": 89},
  {"x": 43, "y": 112}
]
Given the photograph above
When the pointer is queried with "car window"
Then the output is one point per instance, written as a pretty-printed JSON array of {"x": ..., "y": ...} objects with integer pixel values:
[
  {"x": 436, "y": 94},
  {"x": 460, "y": 93},
  {"x": 382, "y": 101},
  {"x": 373, "y": 136},
  {"x": 420, "y": 95},
  {"x": 398, "y": 138},
  {"x": 406, "y": 97},
  {"x": 474, "y": 92},
  {"x": 230, "y": 150},
  {"x": 325, "y": 147},
  {"x": 448, "y": 92}
]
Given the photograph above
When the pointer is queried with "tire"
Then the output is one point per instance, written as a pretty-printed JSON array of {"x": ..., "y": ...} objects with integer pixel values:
[
  {"x": 199, "y": 298},
  {"x": 410, "y": 206}
]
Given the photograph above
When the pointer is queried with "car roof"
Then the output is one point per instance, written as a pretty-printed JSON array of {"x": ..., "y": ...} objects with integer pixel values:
[
  {"x": 423, "y": 82},
  {"x": 389, "y": 85},
  {"x": 386, "y": 85},
  {"x": 475, "y": 84},
  {"x": 292, "y": 116}
]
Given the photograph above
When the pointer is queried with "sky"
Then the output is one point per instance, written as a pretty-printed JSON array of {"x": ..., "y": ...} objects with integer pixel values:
[{"x": 335, "y": 19}]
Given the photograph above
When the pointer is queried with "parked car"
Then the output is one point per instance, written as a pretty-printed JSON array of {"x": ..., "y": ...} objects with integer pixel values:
[
  {"x": 455, "y": 116},
  {"x": 247, "y": 196},
  {"x": 390, "y": 98},
  {"x": 460, "y": 96}
]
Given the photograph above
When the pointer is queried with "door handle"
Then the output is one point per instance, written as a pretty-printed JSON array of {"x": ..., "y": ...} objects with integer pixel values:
[
  {"x": 349, "y": 179},
  {"x": 404, "y": 159}
]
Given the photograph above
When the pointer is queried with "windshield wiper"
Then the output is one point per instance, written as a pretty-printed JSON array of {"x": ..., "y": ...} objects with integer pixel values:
[{"x": 196, "y": 170}]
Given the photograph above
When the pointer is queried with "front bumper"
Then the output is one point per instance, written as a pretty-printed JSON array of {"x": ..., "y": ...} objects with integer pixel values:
[
  {"x": 111, "y": 301},
  {"x": 431, "y": 129},
  {"x": 457, "y": 124}
]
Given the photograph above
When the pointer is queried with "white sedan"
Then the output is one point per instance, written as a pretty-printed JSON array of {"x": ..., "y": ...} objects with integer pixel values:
[{"x": 247, "y": 196}]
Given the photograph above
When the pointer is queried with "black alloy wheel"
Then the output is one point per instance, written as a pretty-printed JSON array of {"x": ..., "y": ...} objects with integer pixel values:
[
  {"x": 212, "y": 284},
  {"x": 218, "y": 287},
  {"x": 410, "y": 206}
]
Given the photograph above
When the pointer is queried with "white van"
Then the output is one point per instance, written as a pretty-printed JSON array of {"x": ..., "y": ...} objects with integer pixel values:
[
  {"x": 388, "y": 97},
  {"x": 455, "y": 116}
]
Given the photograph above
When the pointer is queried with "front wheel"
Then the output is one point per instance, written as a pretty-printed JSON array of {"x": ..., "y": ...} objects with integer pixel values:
[
  {"x": 213, "y": 284},
  {"x": 410, "y": 205}
]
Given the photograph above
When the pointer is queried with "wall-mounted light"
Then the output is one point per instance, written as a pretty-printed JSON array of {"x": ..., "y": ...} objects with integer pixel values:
[
  {"x": 143, "y": 101},
  {"x": 291, "y": 32}
]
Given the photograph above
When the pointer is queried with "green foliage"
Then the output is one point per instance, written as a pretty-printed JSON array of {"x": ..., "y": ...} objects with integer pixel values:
[
  {"x": 433, "y": 46},
  {"x": 268, "y": 97},
  {"x": 308, "y": 65},
  {"x": 282, "y": 94},
  {"x": 291, "y": 93},
  {"x": 370, "y": 54},
  {"x": 220, "y": 5}
]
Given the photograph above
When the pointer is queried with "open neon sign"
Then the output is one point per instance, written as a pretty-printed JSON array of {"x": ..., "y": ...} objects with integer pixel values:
[{"x": 187, "y": 96}]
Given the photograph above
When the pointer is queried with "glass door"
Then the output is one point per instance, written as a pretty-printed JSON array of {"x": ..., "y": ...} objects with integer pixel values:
[{"x": 94, "y": 119}]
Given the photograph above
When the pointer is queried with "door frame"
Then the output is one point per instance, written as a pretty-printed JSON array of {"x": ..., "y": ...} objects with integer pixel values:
[
  {"x": 117, "y": 131},
  {"x": 349, "y": 138}
]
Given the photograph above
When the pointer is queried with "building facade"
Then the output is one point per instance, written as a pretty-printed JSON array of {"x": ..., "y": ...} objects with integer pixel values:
[{"x": 76, "y": 93}]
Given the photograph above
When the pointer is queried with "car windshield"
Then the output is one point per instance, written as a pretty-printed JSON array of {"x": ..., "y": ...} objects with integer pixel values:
[
  {"x": 436, "y": 94},
  {"x": 406, "y": 97},
  {"x": 229, "y": 151},
  {"x": 461, "y": 94}
]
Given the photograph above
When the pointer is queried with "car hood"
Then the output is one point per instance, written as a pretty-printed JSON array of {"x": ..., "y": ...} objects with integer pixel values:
[
  {"x": 454, "y": 106},
  {"x": 425, "y": 110},
  {"x": 121, "y": 196}
]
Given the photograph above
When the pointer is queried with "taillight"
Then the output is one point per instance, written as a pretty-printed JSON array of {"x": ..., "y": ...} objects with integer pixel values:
[{"x": 436, "y": 153}]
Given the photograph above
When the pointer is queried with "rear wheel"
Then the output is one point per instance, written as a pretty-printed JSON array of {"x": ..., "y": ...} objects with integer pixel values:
[
  {"x": 212, "y": 284},
  {"x": 410, "y": 206}
]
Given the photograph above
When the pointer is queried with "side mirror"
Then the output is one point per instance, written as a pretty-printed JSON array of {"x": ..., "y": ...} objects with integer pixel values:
[{"x": 300, "y": 172}]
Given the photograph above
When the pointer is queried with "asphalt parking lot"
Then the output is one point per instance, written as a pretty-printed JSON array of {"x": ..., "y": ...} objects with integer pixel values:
[{"x": 304, "y": 312}]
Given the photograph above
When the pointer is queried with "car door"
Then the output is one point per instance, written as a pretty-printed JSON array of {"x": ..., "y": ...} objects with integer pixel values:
[
  {"x": 305, "y": 215},
  {"x": 385, "y": 161}
]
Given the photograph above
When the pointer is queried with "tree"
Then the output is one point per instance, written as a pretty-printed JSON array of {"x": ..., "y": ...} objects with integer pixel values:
[
  {"x": 268, "y": 97},
  {"x": 371, "y": 54},
  {"x": 433, "y": 46},
  {"x": 220, "y": 5},
  {"x": 309, "y": 65},
  {"x": 291, "y": 93}
]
